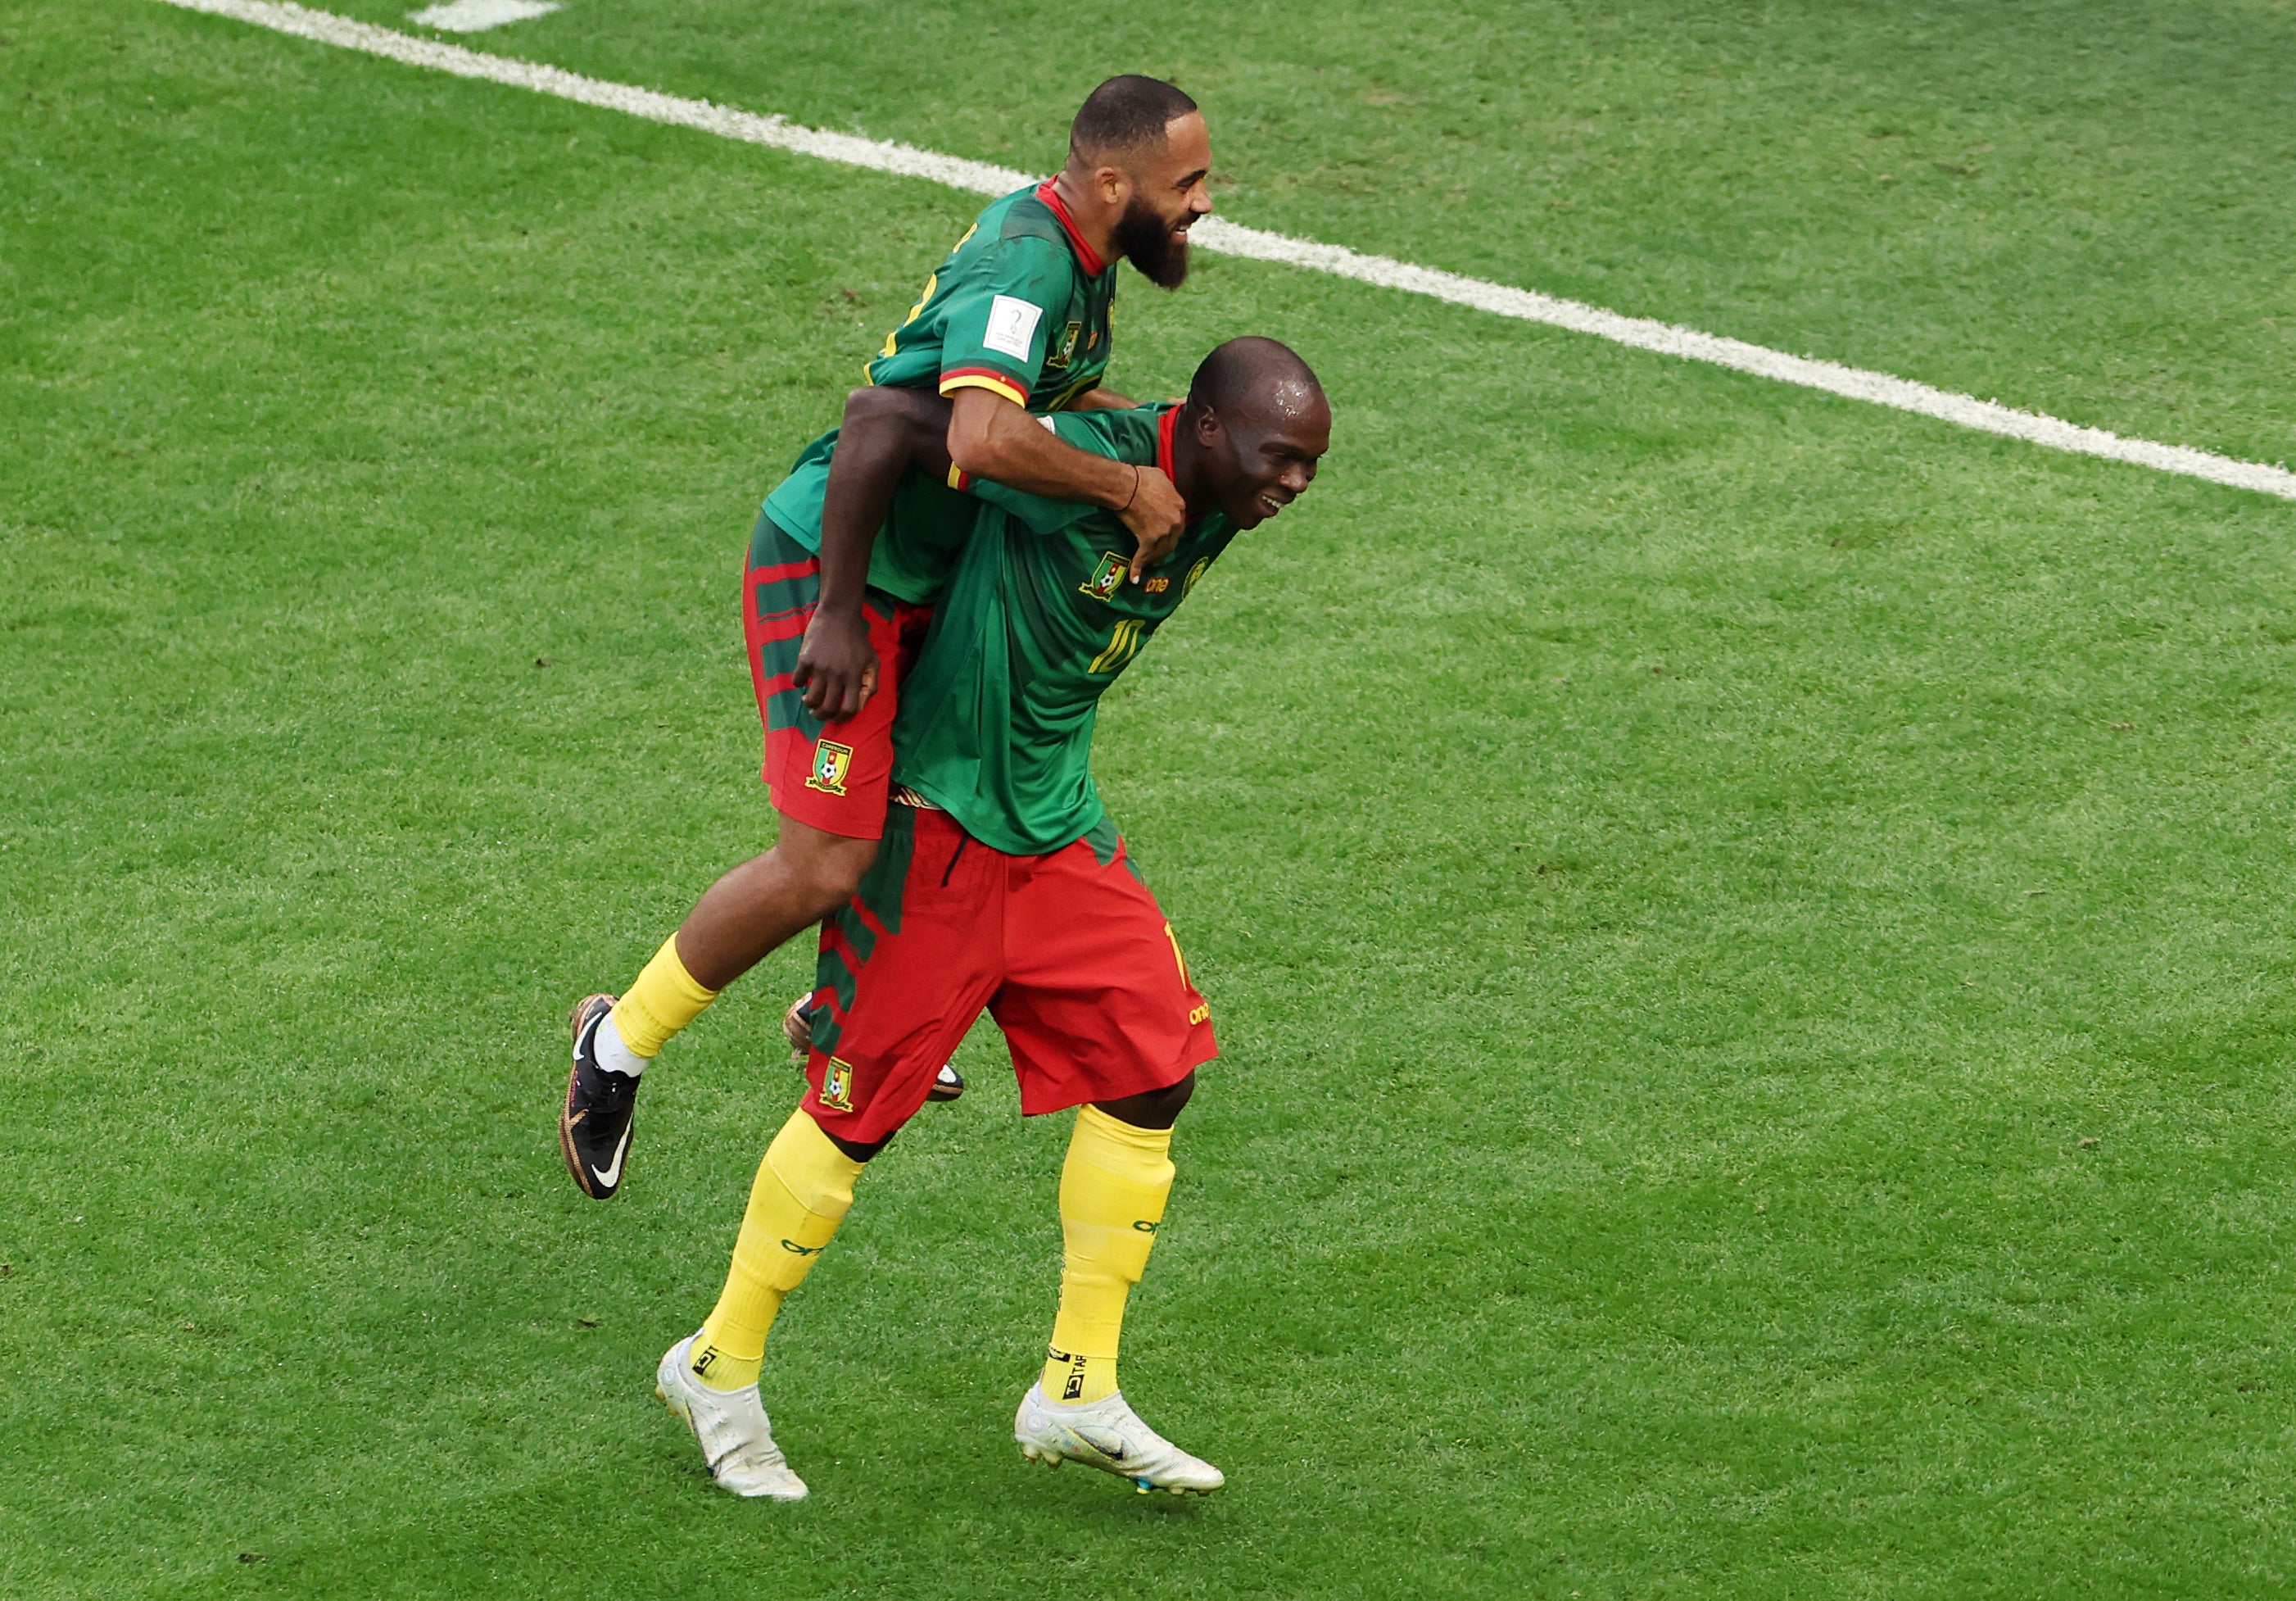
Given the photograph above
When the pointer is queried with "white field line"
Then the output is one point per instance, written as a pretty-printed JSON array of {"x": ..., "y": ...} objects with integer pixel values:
[
  {"x": 1212, "y": 233},
  {"x": 476, "y": 16}
]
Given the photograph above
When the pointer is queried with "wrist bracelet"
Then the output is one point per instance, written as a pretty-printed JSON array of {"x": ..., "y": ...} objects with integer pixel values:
[{"x": 1128, "y": 499}]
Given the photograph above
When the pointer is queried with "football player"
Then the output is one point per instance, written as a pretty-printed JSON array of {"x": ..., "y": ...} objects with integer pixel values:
[
  {"x": 1016, "y": 322},
  {"x": 1003, "y": 885}
]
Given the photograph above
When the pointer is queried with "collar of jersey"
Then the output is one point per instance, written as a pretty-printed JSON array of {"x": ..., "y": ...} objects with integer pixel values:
[
  {"x": 1167, "y": 429},
  {"x": 1087, "y": 257}
]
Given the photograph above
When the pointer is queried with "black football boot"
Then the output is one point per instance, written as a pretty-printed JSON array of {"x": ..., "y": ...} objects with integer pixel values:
[{"x": 593, "y": 1130}]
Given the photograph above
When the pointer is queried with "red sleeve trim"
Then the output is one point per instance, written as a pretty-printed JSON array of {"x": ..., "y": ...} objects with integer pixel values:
[
  {"x": 985, "y": 378},
  {"x": 1087, "y": 257}
]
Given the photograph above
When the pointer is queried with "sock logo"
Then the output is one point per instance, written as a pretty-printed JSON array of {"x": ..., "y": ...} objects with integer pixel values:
[
  {"x": 702, "y": 1359},
  {"x": 1145, "y": 1226},
  {"x": 794, "y": 1248},
  {"x": 1073, "y": 1384}
]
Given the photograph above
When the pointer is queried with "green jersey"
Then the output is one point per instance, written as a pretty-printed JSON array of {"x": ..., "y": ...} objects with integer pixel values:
[
  {"x": 924, "y": 528},
  {"x": 1022, "y": 309},
  {"x": 1039, "y": 618},
  {"x": 927, "y": 523}
]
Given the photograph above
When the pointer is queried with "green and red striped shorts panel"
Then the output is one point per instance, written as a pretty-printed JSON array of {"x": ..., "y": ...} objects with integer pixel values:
[
  {"x": 837, "y": 776},
  {"x": 1068, "y": 951}
]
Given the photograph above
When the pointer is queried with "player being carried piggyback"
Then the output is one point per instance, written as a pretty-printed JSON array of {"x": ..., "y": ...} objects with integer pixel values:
[{"x": 1013, "y": 326}]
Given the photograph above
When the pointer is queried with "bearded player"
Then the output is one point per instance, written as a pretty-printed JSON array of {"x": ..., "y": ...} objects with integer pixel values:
[
  {"x": 1003, "y": 885},
  {"x": 1016, "y": 322}
]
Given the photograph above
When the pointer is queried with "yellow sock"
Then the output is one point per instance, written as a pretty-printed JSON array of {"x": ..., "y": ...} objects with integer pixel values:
[
  {"x": 1112, "y": 1192},
  {"x": 803, "y": 1188},
  {"x": 664, "y": 999}
]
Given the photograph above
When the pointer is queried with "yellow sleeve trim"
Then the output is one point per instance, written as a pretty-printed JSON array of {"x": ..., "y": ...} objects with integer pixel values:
[{"x": 981, "y": 380}]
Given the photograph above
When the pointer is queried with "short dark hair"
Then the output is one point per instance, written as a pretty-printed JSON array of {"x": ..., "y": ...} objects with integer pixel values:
[
  {"x": 1238, "y": 374},
  {"x": 1125, "y": 115}
]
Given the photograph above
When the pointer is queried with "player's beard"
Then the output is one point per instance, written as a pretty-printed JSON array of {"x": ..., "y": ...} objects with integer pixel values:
[{"x": 1146, "y": 241}]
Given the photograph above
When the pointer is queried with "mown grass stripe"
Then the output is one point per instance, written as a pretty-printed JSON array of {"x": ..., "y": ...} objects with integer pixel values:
[{"x": 1499, "y": 300}]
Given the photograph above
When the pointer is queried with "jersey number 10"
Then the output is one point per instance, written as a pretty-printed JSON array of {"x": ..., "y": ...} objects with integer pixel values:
[{"x": 1123, "y": 644}]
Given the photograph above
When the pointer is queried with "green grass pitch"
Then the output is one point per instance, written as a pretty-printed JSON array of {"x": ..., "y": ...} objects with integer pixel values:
[{"x": 1752, "y": 934}]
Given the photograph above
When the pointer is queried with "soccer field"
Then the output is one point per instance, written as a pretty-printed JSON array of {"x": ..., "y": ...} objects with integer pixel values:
[{"x": 1750, "y": 932}]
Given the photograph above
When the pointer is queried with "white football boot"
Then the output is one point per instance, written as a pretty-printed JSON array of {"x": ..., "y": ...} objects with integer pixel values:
[
  {"x": 1108, "y": 1435},
  {"x": 736, "y": 1435}
]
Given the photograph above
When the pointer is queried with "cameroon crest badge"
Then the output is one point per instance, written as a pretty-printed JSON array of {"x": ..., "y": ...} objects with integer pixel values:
[
  {"x": 831, "y": 763},
  {"x": 1105, "y": 578},
  {"x": 836, "y": 1085}
]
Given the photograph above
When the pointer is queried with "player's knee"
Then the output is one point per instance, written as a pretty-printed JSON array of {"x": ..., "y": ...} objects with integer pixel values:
[
  {"x": 856, "y": 1150},
  {"x": 1172, "y": 1101},
  {"x": 832, "y": 879},
  {"x": 1156, "y": 1109},
  {"x": 826, "y": 870}
]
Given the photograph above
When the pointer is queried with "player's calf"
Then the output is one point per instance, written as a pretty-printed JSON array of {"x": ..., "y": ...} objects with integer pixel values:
[{"x": 755, "y": 907}]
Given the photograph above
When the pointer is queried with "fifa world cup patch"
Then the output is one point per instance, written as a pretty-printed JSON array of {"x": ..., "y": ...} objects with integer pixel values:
[
  {"x": 831, "y": 763},
  {"x": 836, "y": 1085},
  {"x": 1012, "y": 326},
  {"x": 1105, "y": 578}
]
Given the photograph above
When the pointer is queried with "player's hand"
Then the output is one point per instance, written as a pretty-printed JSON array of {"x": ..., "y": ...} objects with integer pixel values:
[
  {"x": 836, "y": 671},
  {"x": 1157, "y": 518}
]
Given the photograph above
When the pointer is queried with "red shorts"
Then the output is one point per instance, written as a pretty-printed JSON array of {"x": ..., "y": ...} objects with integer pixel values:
[
  {"x": 1069, "y": 952},
  {"x": 835, "y": 776}
]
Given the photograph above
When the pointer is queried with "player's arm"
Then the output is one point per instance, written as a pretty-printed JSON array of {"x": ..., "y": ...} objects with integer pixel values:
[
  {"x": 885, "y": 433},
  {"x": 989, "y": 437},
  {"x": 1102, "y": 399},
  {"x": 995, "y": 333},
  {"x": 1125, "y": 439}
]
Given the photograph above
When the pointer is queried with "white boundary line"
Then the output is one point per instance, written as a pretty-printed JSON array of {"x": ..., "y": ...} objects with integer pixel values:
[
  {"x": 1231, "y": 239},
  {"x": 477, "y": 16}
]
